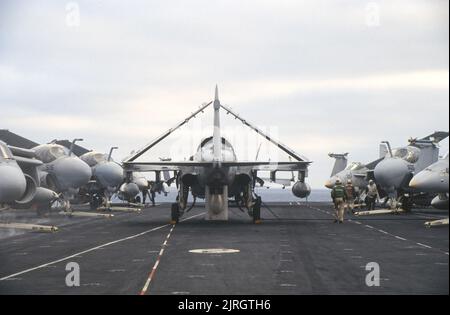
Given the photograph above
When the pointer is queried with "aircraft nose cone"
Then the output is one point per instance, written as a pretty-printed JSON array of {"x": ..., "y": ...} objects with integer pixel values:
[
  {"x": 109, "y": 174},
  {"x": 419, "y": 181},
  {"x": 12, "y": 183},
  {"x": 72, "y": 172},
  {"x": 426, "y": 181},
  {"x": 391, "y": 173},
  {"x": 329, "y": 183}
]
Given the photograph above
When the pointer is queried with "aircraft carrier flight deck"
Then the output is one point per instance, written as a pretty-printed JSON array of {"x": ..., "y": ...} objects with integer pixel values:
[{"x": 297, "y": 249}]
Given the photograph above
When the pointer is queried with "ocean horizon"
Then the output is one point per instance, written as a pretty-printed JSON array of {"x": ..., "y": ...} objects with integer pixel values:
[{"x": 267, "y": 195}]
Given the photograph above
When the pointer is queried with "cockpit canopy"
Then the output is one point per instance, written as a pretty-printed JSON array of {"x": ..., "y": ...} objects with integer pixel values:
[
  {"x": 48, "y": 153},
  {"x": 409, "y": 154},
  {"x": 208, "y": 142},
  {"x": 205, "y": 150},
  {"x": 94, "y": 158},
  {"x": 5, "y": 152},
  {"x": 355, "y": 166}
]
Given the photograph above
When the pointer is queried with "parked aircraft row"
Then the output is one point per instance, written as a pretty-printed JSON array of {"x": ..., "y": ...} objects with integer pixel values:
[
  {"x": 52, "y": 173},
  {"x": 412, "y": 174},
  {"x": 63, "y": 172}
]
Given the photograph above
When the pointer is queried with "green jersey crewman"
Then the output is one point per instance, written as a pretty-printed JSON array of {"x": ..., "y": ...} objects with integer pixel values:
[{"x": 339, "y": 198}]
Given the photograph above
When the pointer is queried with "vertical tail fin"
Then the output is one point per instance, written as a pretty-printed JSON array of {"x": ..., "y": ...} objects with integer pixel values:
[
  {"x": 383, "y": 150},
  {"x": 217, "y": 138},
  {"x": 340, "y": 164}
]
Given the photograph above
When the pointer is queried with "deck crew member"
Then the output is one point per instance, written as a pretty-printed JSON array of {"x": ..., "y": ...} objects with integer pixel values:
[
  {"x": 372, "y": 195},
  {"x": 350, "y": 193},
  {"x": 339, "y": 198}
]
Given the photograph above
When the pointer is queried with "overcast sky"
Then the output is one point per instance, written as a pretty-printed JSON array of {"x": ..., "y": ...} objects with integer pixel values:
[{"x": 323, "y": 76}]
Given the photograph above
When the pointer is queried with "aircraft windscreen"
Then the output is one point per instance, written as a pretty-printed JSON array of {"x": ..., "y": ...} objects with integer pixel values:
[
  {"x": 413, "y": 155},
  {"x": 400, "y": 153},
  {"x": 48, "y": 153},
  {"x": 410, "y": 154},
  {"x": 355, "y": 166},
  {"x": 206, "y": 149},
  {"x": 93, "y": 158},
  {"x": 4, "y": 152}
]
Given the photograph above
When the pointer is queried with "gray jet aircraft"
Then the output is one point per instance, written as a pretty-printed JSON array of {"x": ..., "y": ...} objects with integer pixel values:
[
  {"x": 61, "y": 171},
  {"x": 19, "y": 179},
  {"x": 135, "y": 183},
  {"x": 215, "y": 174},
  {"x": 395, "y": 172},
  {"x": 434, "y": 179},
  {"x": 107, "y": 176},
  {"x": 357, "y": 172},
  {"x": 13, "y": 183}
]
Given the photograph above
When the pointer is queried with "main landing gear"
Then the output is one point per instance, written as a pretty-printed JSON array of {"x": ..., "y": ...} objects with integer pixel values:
[
  {"x": 255, "y": 211},
  {"x": 176, "y": 213}
]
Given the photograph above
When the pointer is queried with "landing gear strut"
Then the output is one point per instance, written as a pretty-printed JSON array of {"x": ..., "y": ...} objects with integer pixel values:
[
  {"x": 175, "y": 213},
  {"x": 256, "y": 213},
  {"x": 96, "y": 202}
]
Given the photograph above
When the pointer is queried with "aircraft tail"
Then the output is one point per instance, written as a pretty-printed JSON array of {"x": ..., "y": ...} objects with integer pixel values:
[
  {"x": 340, "y": 164},
  {"x": 217, "y": 138},
  {"x": 384, "y": 151}
]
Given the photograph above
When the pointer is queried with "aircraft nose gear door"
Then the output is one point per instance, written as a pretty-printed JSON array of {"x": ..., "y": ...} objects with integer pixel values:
[{"x": 217, "y": 204}]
